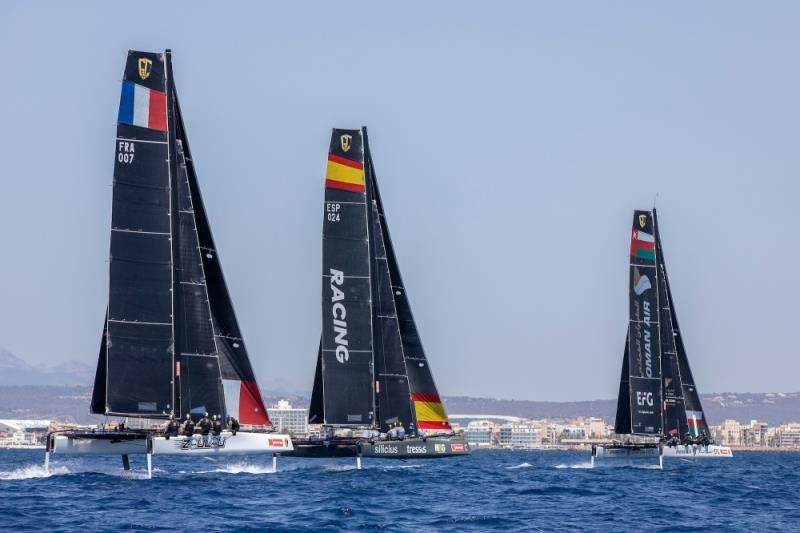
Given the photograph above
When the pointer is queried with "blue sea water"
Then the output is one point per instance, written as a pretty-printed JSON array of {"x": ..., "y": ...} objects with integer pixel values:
[{"x": 496, "y": 490}]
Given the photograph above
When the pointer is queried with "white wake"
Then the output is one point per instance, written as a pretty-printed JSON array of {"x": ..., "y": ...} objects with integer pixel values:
[{"x": 33, "y": 472}]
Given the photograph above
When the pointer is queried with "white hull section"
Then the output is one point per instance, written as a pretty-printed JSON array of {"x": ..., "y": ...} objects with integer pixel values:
[
  {"x": 693, "y": 451},
  {"x": 697, "y": 451},
  {"x": 225, "y": 444},
  {"x": 89, "y": 446}
]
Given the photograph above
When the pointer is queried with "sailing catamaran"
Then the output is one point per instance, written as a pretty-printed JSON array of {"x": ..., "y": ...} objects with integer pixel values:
[
  {"x": 658, "y": 402},
  {"x": 372, "y": 380},
  {"x": 171, "y": 343}
]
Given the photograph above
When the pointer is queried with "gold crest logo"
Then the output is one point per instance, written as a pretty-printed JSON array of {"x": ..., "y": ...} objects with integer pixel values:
[
  {"x": 345, "y": 141},
  {"x": 642, "y": 221},
  {"x": 144, "y": 67}
]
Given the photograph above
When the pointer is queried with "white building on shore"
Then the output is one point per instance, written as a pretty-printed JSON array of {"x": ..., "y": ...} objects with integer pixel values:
[
  {"x": 22, "y": 433},
  {"x": 479, "y": 433},
  {"x": 288, "y": 419},
  {"x": 520, "y": 436}
]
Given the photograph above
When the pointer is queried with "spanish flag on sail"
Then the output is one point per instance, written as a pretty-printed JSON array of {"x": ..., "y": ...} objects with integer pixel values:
[
  {"x": 344, "y": 174},
  {"x": 430, "y": 412}
]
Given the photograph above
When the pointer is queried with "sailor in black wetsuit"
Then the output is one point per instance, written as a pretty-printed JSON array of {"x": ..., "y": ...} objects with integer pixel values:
[
  {"x": 204, "y": 427},
  {"x": 172, "y": 428},
  {"x": 233, "y": 424},
  {"x": 216, "y": 426},
  {"x": 188, "y": 426}
]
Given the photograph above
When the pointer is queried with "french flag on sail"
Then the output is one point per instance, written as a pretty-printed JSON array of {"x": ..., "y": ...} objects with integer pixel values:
[{"x": 143, "y": 107}]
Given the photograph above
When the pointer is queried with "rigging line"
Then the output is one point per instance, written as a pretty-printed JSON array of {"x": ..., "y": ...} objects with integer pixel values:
[
  {"x": 351, "y": 351},
  {"x": 163, "y": 234},
  {"x": 344, "y": 203},
  {"x": 119, "y": 321},
  {"x": 134, "y": 185}
]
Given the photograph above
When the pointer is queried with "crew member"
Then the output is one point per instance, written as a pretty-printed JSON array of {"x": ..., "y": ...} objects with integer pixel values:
[
  {"x": 233, "y": 424},
  {"x": 172, "y": 428},
  {"x": 188, "y": 425},
  {"x": 203, "y": 425},
  {"x": 216, "y": 426}
]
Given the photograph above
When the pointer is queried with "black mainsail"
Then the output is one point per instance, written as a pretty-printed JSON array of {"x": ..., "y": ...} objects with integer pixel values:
[
  {"x": 366, "y": 311},
  {"x": 657, "y": 396},
  {"x": 171, "y": 343},
  {"x": 346, "y": 293}
]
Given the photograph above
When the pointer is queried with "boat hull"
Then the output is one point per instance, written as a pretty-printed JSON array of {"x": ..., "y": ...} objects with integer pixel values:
[
  {"x": 414, "y": 448},
  {"x": 120, "y": 443},
  {"x": 225, "y": 444},
  {"x": 101, "y": 443},
  {"x": 692, "y": 451}
]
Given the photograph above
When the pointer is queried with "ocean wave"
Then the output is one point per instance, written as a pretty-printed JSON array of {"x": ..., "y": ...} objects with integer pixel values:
[
  {"x": 402, "y": 467},
  {"x": 33, "y": 472},
  {"x": 241, "y": 468},
  {"x": 580, "y": 466},
  {"x": 522, "y": 465}
]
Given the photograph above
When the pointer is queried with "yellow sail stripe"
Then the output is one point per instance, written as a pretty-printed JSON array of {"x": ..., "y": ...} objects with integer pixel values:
[
  {"x": 345, "y": 174},
  {"x": 430, "y": 411}
]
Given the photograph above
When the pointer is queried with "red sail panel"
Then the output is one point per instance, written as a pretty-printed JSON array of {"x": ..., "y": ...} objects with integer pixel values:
[{"x": 251, "y": 406}]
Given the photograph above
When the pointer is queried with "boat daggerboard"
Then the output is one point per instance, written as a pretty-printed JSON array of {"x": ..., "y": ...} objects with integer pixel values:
[
  {"x": 347, "y": 335},
  {"x": 644, "y": 344}
]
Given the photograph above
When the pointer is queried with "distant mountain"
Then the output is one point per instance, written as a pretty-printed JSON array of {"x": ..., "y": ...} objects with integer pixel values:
[
  {"x": 15, "y": 371},
  {"x": 72, "y": 404}
]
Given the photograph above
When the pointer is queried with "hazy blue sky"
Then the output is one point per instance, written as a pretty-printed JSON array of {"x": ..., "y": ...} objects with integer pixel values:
[{"x": 512, "y": 141}]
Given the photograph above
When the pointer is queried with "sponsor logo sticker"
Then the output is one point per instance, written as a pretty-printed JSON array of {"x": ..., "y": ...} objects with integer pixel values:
[
  {"x": 276, "y": 443},
  {"x": 456, "y": 447},
  {"x": 439, "y": 447}
]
